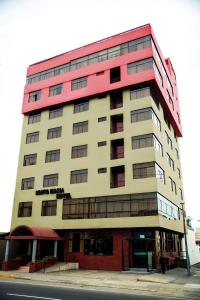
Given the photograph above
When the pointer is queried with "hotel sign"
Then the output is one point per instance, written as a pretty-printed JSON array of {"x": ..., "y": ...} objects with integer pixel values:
[{"x": 60, "y": 193}]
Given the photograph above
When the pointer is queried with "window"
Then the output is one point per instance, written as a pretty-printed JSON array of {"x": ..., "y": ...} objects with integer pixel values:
[
  {"x": 79, "y": 151},
  {"x": 74, "y": 240},
  {"x": 116, "y": 99},
  {"x": 98, "y": 243},
  {"x": 102, "y": 119},
  {"x": 55, "y": 90},
  {"x": 34, "y": 96},
  {"x": 79, "y": 176},
  {"x": 177, "y": 153},
  {"x": 55, "y": 113},
  {"x": 102, "y": 170},
  {"x": 34, "y": 118},
  {"x": 116, "y": 123},
  {"x": 168, "y": 139},
  {"x": 27, "y": 183},
  {"x": 32, "y": 137},
  {"x": 54, "y": 133},
  {"x": 115, "y": 75},
  {"x": 140, "y": 93},
  {"x": 80, "y": 127},
  {"x": 127, "y": 205},
  {"x": 178, "y": 117},
  {"x": 150, "y": 169},
  {"x": 117, "y": 177},
  {"x": 81, "y": 106},
  {"x": 179, "y": 173},
  {"x": 25, "y": 209},
  {"x": 52, "y": 156},
  {"x": 117, "y": 149},
  {"x": 145, "y": 114},
  {"x": 49, "y": 208},
  {"x": 101, "y": 144},
  {"x": 146, "y": 140},
  {"x": 93, "y": 58},
  {"x": 79, "y": 83},
  {"x": 30, "y": 159},
  {"x": 170, "y": 161},
  {"x": 173, "y": 185},
  {"x": 140, "y": 66},
  {"x": 181, "y": 193},
  {"x": 50, "y": 180}
]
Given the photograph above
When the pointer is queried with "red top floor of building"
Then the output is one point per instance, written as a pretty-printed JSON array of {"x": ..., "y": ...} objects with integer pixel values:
[{"x": 129, "y": 59}]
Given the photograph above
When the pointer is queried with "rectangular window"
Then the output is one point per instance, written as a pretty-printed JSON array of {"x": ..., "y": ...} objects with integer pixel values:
[
  {"x": 150, "y": 169},
  {"x": 76, "y": 242},
  {"x": 79, "y": 176},
  {"x": 146, "y": 140},
  {"x": 34, "y": 96},
  {"x": 181, "y": 193},
  {"x": 177, "y": 154},
  {"x": 52, "y": 156},
  {"x": 55, "y": 113},
  {"x": 170, "y": 161},
  {"x": 27, "y": 183},
  {"x": 54, "y": 133},
  {"x": 32, "y": 137},
  {"x": 81, "y": 106},
  {"x": 168, "y": 139},
  {"x": 116, "y": 123},
  {"x": 116, "y": 99},
  {"x": 79, "y": 151},
  {"x": 173, "y": 185},
  {"x": 50, "y": 180},
  {"x": 102, "y": 119},
  {"x": 80, "y": 127},
  {"x": 79, "y": 83},
  {"x": 117, "y": 149},
  {"x": 117, "y": 176},
  {"x": 101, "y": 144},
  {"x": 102, "y": 170},
  {"x": 115, "y": 75},
  {"x": 140, "y": 93},
  {"x": 30, "y": 159},
  {"x": 35, "y": 118},
  {"x": 49, "y": 208},
  {"x": 55, "y": 90},
  {"x": 25, "y": 209},
  {"x": 145, "y": 114},
  {"x": 140, "y": 66},
  {"x": 98, "y": 243},
  {"x": 179, "y": 173}
]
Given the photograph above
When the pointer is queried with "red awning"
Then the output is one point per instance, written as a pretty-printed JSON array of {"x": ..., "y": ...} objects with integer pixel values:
[{"x": 33, "y": 233}]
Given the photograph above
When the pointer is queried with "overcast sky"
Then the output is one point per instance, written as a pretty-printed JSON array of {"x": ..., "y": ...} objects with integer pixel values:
[{"x": 33, "y": 30}]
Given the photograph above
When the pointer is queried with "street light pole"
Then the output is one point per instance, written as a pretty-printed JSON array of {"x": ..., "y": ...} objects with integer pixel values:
[{"x": 186, "y": 244}]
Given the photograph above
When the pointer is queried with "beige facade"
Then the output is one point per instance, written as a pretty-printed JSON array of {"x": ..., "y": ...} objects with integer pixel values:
[{"x": 97, "y": 157}]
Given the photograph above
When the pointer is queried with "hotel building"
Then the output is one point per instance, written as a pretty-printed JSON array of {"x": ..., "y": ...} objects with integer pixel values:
[{"x": 99, "y": 174}]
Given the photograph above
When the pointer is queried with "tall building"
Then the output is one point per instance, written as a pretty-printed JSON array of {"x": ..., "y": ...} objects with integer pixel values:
[{"x": 99, "y": 174}]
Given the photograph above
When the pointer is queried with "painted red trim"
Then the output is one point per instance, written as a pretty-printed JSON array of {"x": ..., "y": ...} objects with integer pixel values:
[{"x": 101, "y": 84}]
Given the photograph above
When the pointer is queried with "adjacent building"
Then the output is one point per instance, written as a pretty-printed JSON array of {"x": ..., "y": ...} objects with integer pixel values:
[{"x": 99, "y": 174}]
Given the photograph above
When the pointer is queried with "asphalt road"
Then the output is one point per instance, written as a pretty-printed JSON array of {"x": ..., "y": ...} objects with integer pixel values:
[{"x": 25, "y": 291}]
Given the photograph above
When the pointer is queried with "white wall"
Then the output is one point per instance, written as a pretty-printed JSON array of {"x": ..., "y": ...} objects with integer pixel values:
[{"x": 193, "y": 249}]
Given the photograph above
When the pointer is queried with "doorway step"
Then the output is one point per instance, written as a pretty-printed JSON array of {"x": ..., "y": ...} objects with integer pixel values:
[
  {"x": 24, "y": 269},
  {"x": 139, "y": 271}
]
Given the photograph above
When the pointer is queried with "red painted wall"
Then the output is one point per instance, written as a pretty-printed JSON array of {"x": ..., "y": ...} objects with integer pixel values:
[
  {"x": 96, "y": 262},
  {"x": 101, "y": 83}
]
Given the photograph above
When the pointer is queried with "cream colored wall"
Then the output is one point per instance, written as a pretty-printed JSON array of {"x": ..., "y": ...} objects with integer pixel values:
[{"x": 98, "y": 157}]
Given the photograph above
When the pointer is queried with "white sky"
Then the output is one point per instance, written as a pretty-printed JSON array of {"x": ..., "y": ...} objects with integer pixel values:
[{"x": 33, "y": 30}]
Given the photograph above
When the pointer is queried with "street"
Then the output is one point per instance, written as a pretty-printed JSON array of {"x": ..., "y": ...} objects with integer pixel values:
[{"x": 10, "y": 290}]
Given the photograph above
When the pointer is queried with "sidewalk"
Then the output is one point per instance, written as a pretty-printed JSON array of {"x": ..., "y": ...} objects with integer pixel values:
[{"x": 175, "y": 283}]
